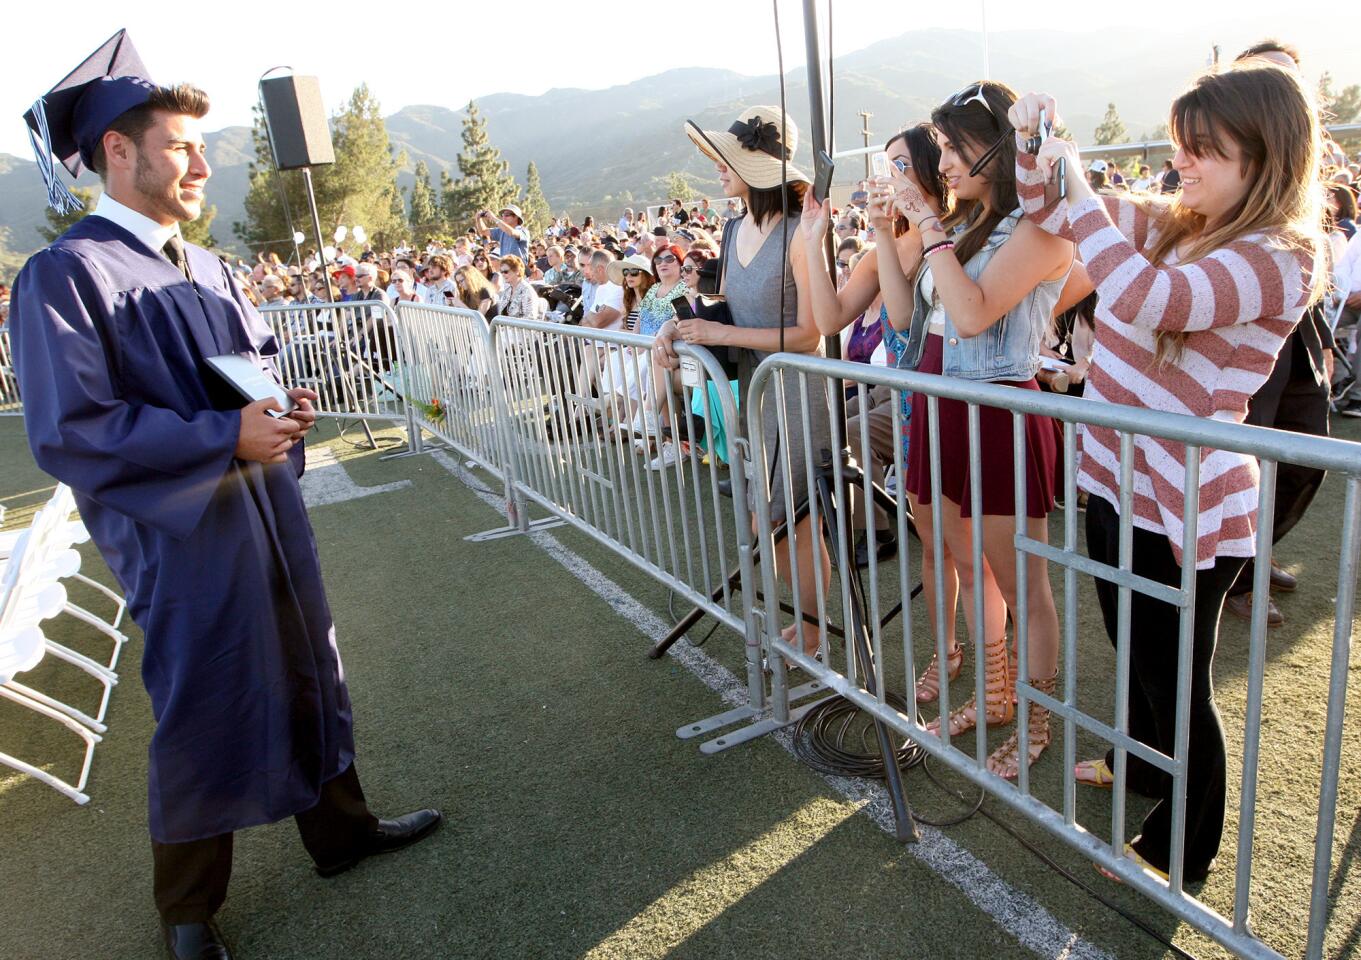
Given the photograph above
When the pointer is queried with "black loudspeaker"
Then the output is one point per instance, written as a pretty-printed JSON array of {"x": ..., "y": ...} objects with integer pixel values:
[{"x": 297, "y": 122}]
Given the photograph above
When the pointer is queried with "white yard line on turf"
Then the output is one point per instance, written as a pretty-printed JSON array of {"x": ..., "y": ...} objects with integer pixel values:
[{"x": 1016, "y": 912}]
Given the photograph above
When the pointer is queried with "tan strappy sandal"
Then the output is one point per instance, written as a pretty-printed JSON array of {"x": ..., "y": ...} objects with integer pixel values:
[
  {"x": 928, "y": 684},
  {"x": 1006, "y": 759},
  {"x": 997, "y": 706}
]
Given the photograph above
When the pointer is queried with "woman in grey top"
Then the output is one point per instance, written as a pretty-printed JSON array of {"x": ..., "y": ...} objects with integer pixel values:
[{"x": 763, "y": 274}]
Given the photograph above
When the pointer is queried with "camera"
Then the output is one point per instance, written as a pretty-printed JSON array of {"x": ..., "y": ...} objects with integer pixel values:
[{"x": 1032, "y": 144}]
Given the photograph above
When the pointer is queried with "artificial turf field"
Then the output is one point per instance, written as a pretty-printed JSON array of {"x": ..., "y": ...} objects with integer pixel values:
[{"x": 506, "y": 682}]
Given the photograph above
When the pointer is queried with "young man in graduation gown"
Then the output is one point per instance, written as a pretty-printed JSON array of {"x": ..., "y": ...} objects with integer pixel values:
[{"x": 192, "y": 500}]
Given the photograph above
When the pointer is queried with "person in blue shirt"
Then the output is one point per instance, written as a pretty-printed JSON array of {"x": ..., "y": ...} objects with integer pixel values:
[{"x": 505, "y": 231}]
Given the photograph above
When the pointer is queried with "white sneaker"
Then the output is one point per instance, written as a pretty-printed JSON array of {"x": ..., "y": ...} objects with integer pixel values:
[{"x": 668, "y": 457}]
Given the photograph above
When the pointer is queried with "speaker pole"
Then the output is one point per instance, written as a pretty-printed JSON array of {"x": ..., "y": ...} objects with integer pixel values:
[{"x": 316, "y": 227}]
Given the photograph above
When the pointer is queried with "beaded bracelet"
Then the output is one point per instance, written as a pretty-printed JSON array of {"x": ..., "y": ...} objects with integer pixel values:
[{"x": 942, "y": 245}]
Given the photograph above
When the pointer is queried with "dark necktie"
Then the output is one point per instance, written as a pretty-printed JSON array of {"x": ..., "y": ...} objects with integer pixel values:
[{"x": 174, "y": 252}]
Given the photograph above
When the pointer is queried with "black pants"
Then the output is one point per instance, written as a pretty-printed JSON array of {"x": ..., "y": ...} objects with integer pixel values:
[
  {"x": 1291, "y": 399},
  {"x": 1153, "y": 688},
  {"x": 190, "y": 879}
]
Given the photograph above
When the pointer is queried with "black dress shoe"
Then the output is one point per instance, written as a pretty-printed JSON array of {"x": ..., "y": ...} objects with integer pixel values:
[
  {"x": 1282, "y": 582},
  {"x": 195, "y": 941},
  {"x": 391, "y": 836},
  {"x": 886, "y": 545}
]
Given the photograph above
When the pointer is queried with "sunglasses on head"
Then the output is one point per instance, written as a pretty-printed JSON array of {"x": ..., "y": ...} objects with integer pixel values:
[{"x": 973, "y": 93}]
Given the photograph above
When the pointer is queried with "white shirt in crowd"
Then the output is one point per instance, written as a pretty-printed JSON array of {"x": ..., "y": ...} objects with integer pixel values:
[
  {"x": 433, "y": 293},
  {"x": 609, "y": 295}
]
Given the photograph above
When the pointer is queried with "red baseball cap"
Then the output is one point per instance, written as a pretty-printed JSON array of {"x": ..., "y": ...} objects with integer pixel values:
[{"x": 348, "y": 270}]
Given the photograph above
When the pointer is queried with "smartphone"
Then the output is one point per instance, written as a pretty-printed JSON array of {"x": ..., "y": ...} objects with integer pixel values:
[
  {"x": 683, "y": 309},
  {"x": 880, "y": 166},
  {"x": 823, "y": 167}
]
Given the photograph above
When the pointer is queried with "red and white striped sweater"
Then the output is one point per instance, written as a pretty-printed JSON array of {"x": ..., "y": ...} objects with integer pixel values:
[{"x": 1236, "y": 306}]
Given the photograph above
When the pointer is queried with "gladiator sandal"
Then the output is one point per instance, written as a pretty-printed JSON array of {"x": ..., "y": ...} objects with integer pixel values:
[
  {"x": 997, "y": 706},
  {"x": 1006, "y": 759},
  {"x": 928, "y": 684}
]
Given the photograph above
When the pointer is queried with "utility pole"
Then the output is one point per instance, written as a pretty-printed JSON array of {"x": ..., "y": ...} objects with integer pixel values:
[{"x": 865, "y": 132}]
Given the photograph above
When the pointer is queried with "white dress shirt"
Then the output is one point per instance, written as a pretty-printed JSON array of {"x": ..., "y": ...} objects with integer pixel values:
[{"x": 153, "y": 234}]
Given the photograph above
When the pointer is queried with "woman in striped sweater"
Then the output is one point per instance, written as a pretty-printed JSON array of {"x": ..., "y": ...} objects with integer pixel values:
[{"x": 1197, "y": 294}]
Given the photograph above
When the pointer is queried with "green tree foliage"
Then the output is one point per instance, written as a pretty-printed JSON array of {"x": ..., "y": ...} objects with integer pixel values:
[
  {"x": 536, "y": 209},
  {"x": 11, "y": 262},
  {"x": 1160, "y": 132},
  {"x": 484, "y": 181},
  {"x": 1338, "y": 107},
  {"x": 426, "y": 218},
  {"x": 1111, "y": 129},
  {"x": 677, "y": 187},
  {"x": 200, "y": 231},
  {"x": 357, "y": 189},
  {"x": 59, "y": 223}
]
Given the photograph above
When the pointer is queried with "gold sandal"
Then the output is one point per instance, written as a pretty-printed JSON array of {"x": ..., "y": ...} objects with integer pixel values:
[
  {"x": 1006, "y": 759},
  {"x": 1098, "y": 773},
  {"x": 928, "y": 684},
  {"x": 998, "y": 709}
]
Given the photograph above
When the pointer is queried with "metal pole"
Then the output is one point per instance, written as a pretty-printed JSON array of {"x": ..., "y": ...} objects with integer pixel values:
[
  {"x": 316, "y": 227},
  {"x": 865, "y": 132}
]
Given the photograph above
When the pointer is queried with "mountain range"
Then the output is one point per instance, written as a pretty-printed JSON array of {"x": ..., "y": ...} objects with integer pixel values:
[{"x": 600, "y": 150}]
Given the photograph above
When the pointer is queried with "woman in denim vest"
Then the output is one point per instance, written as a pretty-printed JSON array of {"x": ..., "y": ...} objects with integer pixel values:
[{"x": 985, "y": 292}]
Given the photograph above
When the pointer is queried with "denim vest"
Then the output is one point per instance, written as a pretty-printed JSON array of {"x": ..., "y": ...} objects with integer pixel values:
[{"x": 1007, "y": 350}]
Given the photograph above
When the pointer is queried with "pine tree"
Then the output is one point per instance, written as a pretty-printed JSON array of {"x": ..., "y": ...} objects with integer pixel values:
[
  {"x": 1338, "y": 107},
  {"x": 266, "y": 227},
  {"x": 536, "y": 209},
  {"x": 200, "y": 231},
  {"x": 1111, "y": 129},
  {"x": 397, "y": 235},
  {"x": 11, "y": 261},
  {"x": 425, "y": 217},
  {"x": 677, "y": 187},
  {"x": 485, "y": 182},
  {"x": 59, "y": 223}
]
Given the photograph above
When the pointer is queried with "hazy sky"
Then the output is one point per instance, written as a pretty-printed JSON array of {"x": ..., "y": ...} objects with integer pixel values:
[{"x": 479, "y": 48}]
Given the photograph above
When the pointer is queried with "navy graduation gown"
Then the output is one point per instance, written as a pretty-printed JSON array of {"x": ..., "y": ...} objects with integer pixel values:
[{"x": 216, "y": 555}]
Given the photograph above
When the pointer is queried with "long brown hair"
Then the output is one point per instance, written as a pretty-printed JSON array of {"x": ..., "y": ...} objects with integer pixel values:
[
  {"x": 470, "y": 282},
  {"x": 1271, "y": 118},
  {"x": 972, "y": 130},
  {"x": 645, "y": 282}
]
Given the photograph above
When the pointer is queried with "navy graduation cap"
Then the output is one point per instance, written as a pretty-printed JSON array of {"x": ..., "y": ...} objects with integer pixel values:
[{"x": 69, "y": 121}]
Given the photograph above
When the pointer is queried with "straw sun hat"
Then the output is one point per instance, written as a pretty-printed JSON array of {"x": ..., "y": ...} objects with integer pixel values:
[
  {"x": 635, "y": 262},
  {"x": 751, "y": 147}
]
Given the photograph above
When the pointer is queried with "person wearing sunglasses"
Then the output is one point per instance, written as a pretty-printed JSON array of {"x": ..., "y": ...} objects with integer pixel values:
[
  {"x": 764, "y": 283},
  {"x": 989, "y": 284},
  {"x": 1198, "y": 294},
  {"x": 518, "y": 297},
  {"x": 915, "y": 154}
]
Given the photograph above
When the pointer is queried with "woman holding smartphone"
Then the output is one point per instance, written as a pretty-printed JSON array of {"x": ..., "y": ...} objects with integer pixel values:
[
  {"x": 1197, "y": 294},
  {"x": 915, "y": 154},
  {"x": 989, "y": 284}
]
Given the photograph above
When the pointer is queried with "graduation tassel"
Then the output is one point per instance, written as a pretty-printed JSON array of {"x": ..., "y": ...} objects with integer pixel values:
[{"x": 59, "y": 198}]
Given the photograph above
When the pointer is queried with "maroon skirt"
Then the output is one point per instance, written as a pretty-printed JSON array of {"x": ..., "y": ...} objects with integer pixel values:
[{"x": 995, "y": 447}]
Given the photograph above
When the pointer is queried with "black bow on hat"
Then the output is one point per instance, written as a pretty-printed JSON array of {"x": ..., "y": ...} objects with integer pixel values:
[{"x": 756, "y": 135}]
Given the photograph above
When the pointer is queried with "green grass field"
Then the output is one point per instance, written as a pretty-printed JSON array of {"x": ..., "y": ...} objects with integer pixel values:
[{"x": 506, "y": 682}]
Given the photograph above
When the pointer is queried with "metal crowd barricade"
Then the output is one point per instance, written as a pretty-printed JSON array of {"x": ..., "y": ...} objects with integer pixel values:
[
  {"x": 10, "y": 403},
  {"x": 785, "y": 375},
  {"x": 352, "y": 355},
  {"x": 578, "y": 401}
]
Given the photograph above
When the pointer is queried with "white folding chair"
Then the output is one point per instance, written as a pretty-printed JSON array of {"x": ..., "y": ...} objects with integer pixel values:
[
  {"x": 27, "y": 592},
  {"x": 61, "y": 505}
]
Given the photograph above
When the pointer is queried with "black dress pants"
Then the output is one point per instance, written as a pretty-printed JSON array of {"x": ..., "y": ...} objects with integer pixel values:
[
  {"x": 1153, "y": 637},
  {"x": 1291, "y": 399},
  {"x": 190, "y": 879}
]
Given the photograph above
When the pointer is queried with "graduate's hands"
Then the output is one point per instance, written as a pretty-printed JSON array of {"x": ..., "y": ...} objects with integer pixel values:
[
  {"x": 266, "y": 439},
  {"x": 304, "y": 413}
]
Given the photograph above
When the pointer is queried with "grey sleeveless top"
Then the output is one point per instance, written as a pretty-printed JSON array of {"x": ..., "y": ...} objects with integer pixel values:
[{"x": 753, "y": 291}]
